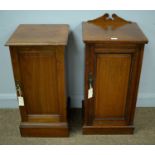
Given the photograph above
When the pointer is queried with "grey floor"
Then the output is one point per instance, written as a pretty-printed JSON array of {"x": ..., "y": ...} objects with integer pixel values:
[{"x": 144, "y": 133}]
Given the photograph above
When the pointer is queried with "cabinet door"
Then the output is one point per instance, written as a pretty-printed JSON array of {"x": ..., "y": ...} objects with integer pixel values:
[
  {"x": 114, "y": 82},
  {"x": 112, "y": 77},
  {"x": 40, "y": 74}
]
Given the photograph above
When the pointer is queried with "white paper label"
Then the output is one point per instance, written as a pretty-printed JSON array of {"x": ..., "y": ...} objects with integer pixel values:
[
  {"x": 20, "y": 101},
  {"x": 90, "y": 93},
  {"x": 113, "y": 38}
]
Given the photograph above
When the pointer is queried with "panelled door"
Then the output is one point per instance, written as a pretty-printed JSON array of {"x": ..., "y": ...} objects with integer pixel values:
[
  {"x": 36, "y": 72},
  {"x": 113, "y": 75}
]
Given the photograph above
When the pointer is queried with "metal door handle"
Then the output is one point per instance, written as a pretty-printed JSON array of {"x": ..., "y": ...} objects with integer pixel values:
[
  {"x": 18, "y": 88},
  {"x": 90, "y": 79}
]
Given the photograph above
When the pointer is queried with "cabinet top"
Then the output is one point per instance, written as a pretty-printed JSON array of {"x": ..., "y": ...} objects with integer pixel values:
[
  {"x": 115, "y": 29},
  {"x": 39, "y": 34}
]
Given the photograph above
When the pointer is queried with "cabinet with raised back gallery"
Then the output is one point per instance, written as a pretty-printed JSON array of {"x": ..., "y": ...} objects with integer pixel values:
[
  {"x": 37, "y": 54},
  {"x": 113, "y": 58}
]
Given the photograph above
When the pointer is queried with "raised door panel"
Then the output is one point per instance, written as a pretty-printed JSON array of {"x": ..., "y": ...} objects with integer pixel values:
[
  {"x": 39, "y": 82},
  {"x": 40, "y": 73},
  {"x": 111, "y": 90}
]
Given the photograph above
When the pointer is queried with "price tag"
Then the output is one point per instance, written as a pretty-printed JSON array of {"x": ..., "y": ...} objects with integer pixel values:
[
  {"x": 20, "y": 101},
  {"x": 90, "y": 92}
]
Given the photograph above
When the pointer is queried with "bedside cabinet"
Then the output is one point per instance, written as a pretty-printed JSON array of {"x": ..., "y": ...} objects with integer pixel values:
[
  {"x": 113, "y": 58},
  {"x": 37, "y": 54}
]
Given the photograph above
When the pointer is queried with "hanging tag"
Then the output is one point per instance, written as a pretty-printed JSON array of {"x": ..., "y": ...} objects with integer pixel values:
[
  {"x": 90, "y": 92},
  {"x": 20, "y": 101}
]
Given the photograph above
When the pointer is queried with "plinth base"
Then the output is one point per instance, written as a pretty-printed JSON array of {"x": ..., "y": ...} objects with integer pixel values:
[
  {"x": 44, "y": 129},
  {"x": 90, "y": 130}
]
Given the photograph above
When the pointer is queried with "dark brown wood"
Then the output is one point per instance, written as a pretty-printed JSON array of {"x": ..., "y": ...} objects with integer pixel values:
[
  {"x": 105, "y": 21},
  {"x": 39, "y": 35},
  {"x": 44, "y": 130},
  {"x": 94, "y": 130},
  {"x": 115, "y": 65},
  {"x": 40, "y": 71},
  {"x": 104, "y": 28},
  {"x": 112, "y": 74}
]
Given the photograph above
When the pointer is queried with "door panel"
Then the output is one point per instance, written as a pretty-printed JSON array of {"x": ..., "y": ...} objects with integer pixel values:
[
  {"x": 112, "y": 76},
  {"x": 39, "y": 81}
]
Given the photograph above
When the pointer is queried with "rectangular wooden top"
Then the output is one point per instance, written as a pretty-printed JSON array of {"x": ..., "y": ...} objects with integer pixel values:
[
  {"x": 39, "y": 34},
  {"x": 129, "y": 32}
]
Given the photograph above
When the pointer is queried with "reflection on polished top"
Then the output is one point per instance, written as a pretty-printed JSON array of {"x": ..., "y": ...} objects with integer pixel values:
[
  {"x": 39, "y": 34},
  {"x": 108, "y": 29}
]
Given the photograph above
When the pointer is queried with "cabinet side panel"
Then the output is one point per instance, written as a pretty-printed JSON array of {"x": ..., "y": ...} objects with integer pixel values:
[
  {"x": 112, "y": 76},
  {"x": 39, "y": 81}
]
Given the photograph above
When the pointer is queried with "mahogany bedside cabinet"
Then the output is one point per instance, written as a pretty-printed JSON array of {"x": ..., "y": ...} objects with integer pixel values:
[
  {"x": 113, "y": 58},
  {"x": 37, "y": 54}
]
